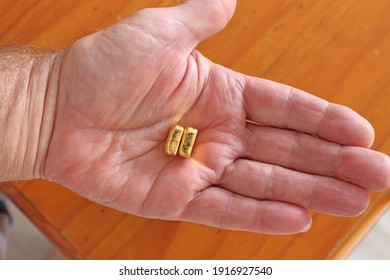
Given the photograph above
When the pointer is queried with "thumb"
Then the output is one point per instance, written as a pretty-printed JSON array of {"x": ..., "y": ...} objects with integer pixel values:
[
  {"x": 204, "y": 18},
  {"x": 187, "y": 24}
]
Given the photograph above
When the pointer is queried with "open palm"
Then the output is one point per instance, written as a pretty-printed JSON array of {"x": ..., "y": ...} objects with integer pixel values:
[{"x": 123, "y": 87}]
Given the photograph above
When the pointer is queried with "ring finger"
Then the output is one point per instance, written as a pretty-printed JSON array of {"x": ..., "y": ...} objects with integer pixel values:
[{"x": 309, "y": 154}]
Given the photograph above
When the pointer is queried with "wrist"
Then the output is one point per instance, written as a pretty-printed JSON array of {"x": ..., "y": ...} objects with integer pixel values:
[{"x": 30, "y": 92}]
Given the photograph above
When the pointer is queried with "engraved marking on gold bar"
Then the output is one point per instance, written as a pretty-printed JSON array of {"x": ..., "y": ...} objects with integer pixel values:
[
  {"x": 188, "y": 141},
  {"x": 173, "y": 140}
]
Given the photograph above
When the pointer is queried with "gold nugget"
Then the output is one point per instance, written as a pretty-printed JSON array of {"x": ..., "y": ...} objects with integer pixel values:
[
  {"x": 173, "y": 140},
  {"x": 188, "y": 141}
]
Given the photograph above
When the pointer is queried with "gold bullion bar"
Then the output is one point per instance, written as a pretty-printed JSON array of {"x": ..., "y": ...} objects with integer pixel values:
[
  {"x": 187, "y": 142},
  {"x": 173, "y": 140}
]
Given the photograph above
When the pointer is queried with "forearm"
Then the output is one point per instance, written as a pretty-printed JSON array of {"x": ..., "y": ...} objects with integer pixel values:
[{"x": 28, "y": 94}]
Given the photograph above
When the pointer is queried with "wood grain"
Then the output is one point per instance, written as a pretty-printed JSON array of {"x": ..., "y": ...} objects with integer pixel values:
[{"x": 338, "y": 50}]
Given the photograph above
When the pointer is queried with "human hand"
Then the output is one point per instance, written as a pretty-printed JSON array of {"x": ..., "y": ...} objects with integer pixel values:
[{"x": 121, "y": 89}]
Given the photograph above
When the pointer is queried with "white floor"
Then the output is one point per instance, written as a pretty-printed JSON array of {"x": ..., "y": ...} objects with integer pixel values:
[
  {"x": 25, "y": 241},
  {"x": 376, "y": 245}
]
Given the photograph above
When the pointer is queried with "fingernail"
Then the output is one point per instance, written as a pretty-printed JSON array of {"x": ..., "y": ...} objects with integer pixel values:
[{"x": 306, "y": 229}]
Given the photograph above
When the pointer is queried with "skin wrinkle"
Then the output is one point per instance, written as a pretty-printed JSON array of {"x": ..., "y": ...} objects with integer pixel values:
[
  {"x": 188, "y": 205},
  {"x": 106, "y": 193},
  {"x": 222, "y": 222},
  {"x": 337, "y": 161},
  {"x": 137, "y": 155},
  {"x": 166, "y": 38},
  {"x": 150, "y": 191},
  {"x": 140, "y": 209},
  {"x": 313, "y": 186},
  {"x": 288, "y": 107},
  {"x": 201, "y": 86},
  {"x": 219, "y": 174},
  {"x": 250, "y": 141},
  {"x": 30, "y": 114},
  {"x": 168, "y": 41},
  {"x": 211, "y": 76},
  {"x": 203, "y": 80},
  {"x": 324, "y": 116},
  {"x": 155, "y": 85},
  {"x": 59, "y": 57},
  {"x": 208, "y": 176},
  {"x": 201, "y": 174},
  {"x": 114, "y": 131},
  {"x": 270, "y": 183},
  {"x": 183, "y": 80},
  {"x": 133, "y": 26},
  {"x": 295, "y": 151},
  {"x": 38, "y": 171},
  {"x": 75, "y": 165},
  {"x": 240, "y": 84},
  {"x": 215, "y": 12},
  {"x": 110, "y": 145},
  {"x": 190, "y": 63},
  {"x": 237, "y": 85},
  {"x": 258, "y": 224},
  {"x": 244, "y": 85},
  {"x": 21, "y": 142},
  {"x": 227, "y": 172},
  {"x": 120, "y": 192},
  {"x": 189, "y": 29},
  {"x": 195, "y": 195},
  {"x": 113, "y": 200}
]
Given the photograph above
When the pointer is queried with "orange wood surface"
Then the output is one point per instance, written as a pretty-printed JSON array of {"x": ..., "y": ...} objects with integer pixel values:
[{"x": 338, "y": 50}]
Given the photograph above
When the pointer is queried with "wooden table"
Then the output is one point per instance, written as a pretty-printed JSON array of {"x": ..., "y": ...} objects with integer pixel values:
[{"x": 338, "y": 50}]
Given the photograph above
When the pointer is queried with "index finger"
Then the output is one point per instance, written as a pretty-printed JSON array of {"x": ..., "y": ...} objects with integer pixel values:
[{"x": 283, "y": 106}]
